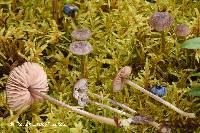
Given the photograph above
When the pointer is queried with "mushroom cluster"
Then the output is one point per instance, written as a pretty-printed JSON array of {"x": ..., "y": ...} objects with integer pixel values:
[{"x": 28, "y": 83}]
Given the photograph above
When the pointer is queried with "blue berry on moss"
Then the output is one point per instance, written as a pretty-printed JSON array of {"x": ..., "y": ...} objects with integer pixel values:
[
  {"x": 70, "y": 10},
  {"x": 159, "y": 90}
]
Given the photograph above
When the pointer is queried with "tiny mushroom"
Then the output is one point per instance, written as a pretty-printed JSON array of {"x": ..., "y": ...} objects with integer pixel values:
[
  {"x": 182, "y": 30},
  {"x": 123, "y": 81},
  {"x": 160, "y": 21},
  {"x": 81, "y": 34},
  {"x": 80, "y": 47},
  {"x": 119, "y": 80},
  {"x": 80, "y": 92}
]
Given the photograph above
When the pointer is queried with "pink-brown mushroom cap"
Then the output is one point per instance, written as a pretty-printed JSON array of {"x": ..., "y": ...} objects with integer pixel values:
[
  {"x": 22, "y": 79},
  {"x": 119, "y": 80}
]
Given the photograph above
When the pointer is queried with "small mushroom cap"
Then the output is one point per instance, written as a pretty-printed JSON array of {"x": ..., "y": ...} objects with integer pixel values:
[
  {"x": 80, "y": 92},
  {"x": 81, "y": 34},
  {"x": 161, "y": 21},
  {"x": 22, "y": 79},
  {"x": 119, "y": 80},
  {"x": 182, "y": 30},
  {"x": 80, "y": 47}
]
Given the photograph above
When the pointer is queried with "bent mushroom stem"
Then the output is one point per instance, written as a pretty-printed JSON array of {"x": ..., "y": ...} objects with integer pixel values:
[
  {"x": 110, "y": 108},
  {"x": 114, "y": 102},
  {"x": 190, "y": 115},
  {"x": 78, "y": 111}
]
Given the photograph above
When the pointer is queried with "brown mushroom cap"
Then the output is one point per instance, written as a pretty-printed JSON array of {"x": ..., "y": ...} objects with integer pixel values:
[
  {"x": 80, "y": 47},
  {"x": 81, "y": 34},
  {"x": 22, "y": 79},
  {"x": 161, "y": 21},
  {"x": 118, "y": 82}
]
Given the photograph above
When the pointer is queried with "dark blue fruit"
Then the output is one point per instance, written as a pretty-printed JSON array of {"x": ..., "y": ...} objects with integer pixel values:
[
  {"x": 151, "y": 1},
  {"x": 70, "y": 10},
  {"x": 159, "y": 91}
]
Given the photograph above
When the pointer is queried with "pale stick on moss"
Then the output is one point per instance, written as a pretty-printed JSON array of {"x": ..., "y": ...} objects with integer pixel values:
[{"x": 121, "y": 79}]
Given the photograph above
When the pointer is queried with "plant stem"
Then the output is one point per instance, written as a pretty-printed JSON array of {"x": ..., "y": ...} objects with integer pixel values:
[
  {"x": 190, "y": 115},
  {"x": 83, "y": 67},
  {"x": 76, "y": 110},
  {"x": 55, "y": 11},
  {"x": 114, "y": 102},
  {"x": 163, "y": 42}
]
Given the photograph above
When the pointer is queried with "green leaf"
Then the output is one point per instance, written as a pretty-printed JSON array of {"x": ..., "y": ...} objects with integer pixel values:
[
  {"x": 195, "y": 92},
  {"x": 196, "y": 74},
  {"x": 192, "y": 43}
]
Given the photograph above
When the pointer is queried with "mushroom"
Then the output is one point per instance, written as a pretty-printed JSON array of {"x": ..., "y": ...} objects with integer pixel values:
[
  {"x": 28, "y": 83},
  {"x": 81, "y": 48},
  {"x": 80, "y": 94},
  {"x": 182, "y": 30},
  {"x": 160, "y": 21},
  {"x": 119, "y": 80},
  {"x": 124, "y": 80},
  {"x": 81, "y": 34}
]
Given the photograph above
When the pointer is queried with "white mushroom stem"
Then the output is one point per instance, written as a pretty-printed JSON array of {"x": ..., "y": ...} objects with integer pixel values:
[
  {"x": 115, "y": 103},
  {"x": 190, "y": 115},
  {"x": 110, "y": 108},
  {"x": 76, "y": 110}
]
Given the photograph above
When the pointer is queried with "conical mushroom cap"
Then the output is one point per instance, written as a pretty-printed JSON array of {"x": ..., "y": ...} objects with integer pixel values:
[
  {"x": 81, "y": 34},
  {"x": 80, "y": 47},
  {"x": 118, "y": 82},
  {"x": 161, "y": 21},
  {"x": 23, "y": 79}
]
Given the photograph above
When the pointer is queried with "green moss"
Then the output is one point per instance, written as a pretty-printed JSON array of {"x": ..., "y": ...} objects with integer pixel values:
[{"x": 120, "y": 36}]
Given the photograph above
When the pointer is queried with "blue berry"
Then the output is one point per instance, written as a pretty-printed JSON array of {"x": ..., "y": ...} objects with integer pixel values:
[
  {"x": 70, "y": 10},
  {"x": 151, "y": 1},
  {"x": 159, "y": 91}
]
